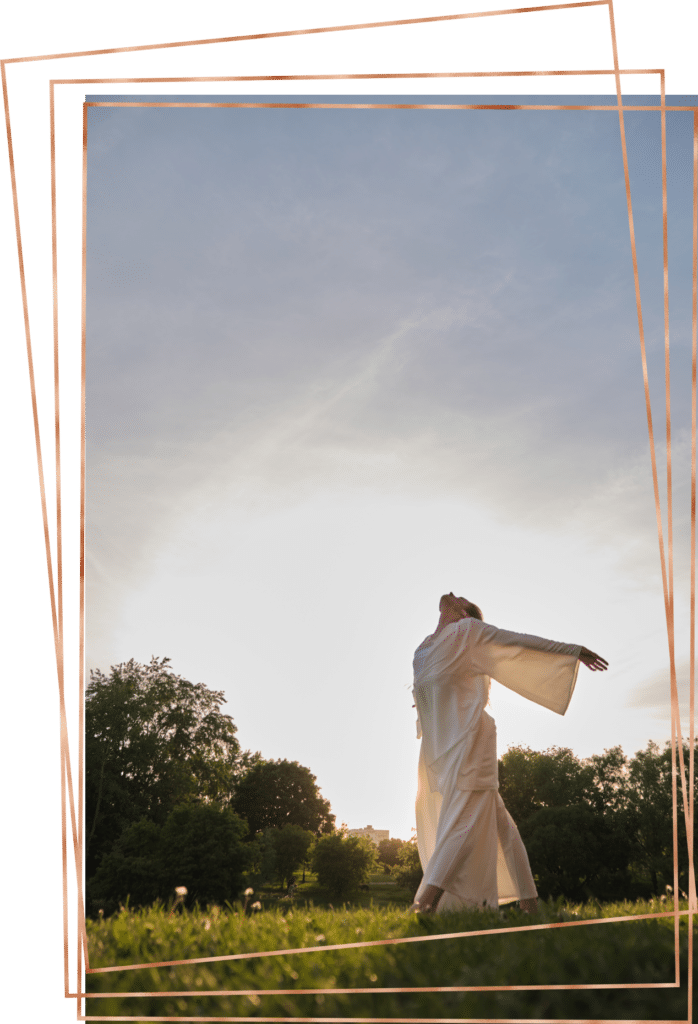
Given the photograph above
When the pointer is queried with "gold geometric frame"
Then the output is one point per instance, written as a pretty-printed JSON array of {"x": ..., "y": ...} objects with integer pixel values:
[{"x": 56, "y": 590}]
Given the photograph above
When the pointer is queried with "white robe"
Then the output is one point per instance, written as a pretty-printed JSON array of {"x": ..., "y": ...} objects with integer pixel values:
[{"x": 468, "y": 843}]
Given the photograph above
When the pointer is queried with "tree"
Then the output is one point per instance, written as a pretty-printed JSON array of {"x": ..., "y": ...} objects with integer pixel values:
[
  {"x": 272, "y": 794},
  {"x": 203, "y": 849},
  {"x": 631, "y": 800},
  {"x": 200, "y": 846},
  {"x": 611, "y": 780},
  {"x": 408, "y": 872},
  {"x": 530, "y": 780},
  {"x": 131, "y": 870},
  {"x": 342, "y": 863},
  {"x": 649, "y": 810},
  {"x": 290, "y": 846},
  {"x": 388, "y": 851},
  {"x": 153, "y": 741},
  {"x": 576, "y": 852}
]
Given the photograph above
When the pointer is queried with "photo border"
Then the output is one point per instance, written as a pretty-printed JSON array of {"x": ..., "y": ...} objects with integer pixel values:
[
  {"x": 70, "y": 807},
  {"x": 496, "y": 931}
]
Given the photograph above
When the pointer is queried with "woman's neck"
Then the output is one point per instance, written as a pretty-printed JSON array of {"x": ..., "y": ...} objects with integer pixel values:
[{"x": 447, "y": 617}]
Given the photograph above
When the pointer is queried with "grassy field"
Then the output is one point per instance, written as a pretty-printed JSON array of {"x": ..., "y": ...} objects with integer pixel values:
[
  {"x": 382, "y": 891},
  {"x": 639, "y": 952}
]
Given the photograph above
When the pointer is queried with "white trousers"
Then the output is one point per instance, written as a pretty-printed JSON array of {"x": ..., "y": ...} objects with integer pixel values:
[{"x": 470, "y": 847}]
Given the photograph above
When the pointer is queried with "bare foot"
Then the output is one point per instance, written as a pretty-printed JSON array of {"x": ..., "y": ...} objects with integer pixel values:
[{"x": 529, "y": 906}]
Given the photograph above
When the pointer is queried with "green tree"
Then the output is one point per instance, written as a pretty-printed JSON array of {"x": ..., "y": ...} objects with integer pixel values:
[
  {"x": 342, "y": 863},
  {"x": 408, "y": 872},
  {"x": 388, "y": 852},
  {"x": 530, "y": 780},
  {"x": 153, "y": 741},
  {"x": 261, "y": 853},
  {"x": 130, "y": 870},
  {"x": 290, "y": 846},
  {"x": 203, "y": 849},
  {"x": 611, "y": 781},
  {"x": 200, "y": 846},
  {"x": 649, "y": 810},
  {"x": 576, "y": 852},
  {"x": 631, "y": 799},
  {"x": 272, "y": 794}
]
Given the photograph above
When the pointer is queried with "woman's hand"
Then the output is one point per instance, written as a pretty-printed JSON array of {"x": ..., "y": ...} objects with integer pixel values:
[{"x": 593, "y": 661}]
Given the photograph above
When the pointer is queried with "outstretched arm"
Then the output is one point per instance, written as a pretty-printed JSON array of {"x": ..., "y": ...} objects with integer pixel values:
[
  {"x": 592, "y": 661},
  {"x": 589, "y": 658},
  {"x": 543, "y": 671}
]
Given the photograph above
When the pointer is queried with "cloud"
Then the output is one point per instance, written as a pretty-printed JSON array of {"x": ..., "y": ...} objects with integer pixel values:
[
  {"x": 336, "y": 371},
  {"x": 653, "y": 697},
  {"x": 283, "y": 307}
]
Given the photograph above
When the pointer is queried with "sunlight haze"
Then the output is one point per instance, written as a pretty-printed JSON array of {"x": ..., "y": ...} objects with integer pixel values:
[{"x": 340, "y": 362}]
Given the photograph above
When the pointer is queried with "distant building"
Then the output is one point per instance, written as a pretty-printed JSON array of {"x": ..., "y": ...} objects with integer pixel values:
[{"x": 376, "y": 835}]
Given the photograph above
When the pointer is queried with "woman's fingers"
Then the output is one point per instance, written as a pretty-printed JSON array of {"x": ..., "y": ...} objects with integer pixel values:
[{"x": 593, "y": 661}]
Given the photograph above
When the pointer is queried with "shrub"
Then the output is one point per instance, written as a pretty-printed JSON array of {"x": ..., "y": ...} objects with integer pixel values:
[
  {"x": 130, "y": 870},
  {"x": 200, "y": 846},
  {"x": 342, "y": 863},
  {"x": 203, "y": 849},
  {"x": 290, "y": 845},
  {"x": 408, "y": 871},
  {"x": 388, "y": 851}
]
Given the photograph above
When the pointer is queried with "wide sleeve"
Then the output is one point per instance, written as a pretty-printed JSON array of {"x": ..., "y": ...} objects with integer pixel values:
[{"x": 543, "y": 671}]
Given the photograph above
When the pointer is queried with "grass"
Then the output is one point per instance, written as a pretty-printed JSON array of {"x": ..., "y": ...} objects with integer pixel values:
[
  {"x": 382, "y": 892},
  {"x": 635, "y": 952}
]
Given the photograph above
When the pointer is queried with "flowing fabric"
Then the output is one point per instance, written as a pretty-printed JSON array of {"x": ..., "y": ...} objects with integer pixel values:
[{"x": 468, "y": 843}]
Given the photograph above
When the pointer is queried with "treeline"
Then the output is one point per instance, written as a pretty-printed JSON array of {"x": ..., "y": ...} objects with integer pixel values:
[
  {"x": 172, "y": 800},
  {"x": 599, "y": 826}
]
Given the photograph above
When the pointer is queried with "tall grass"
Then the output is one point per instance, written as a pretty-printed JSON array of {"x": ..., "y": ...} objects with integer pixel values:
[{"x": 629, "y": 952}]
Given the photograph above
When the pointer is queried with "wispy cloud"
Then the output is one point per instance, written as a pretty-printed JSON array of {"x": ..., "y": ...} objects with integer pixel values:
[{"x": 378, "y": 322}]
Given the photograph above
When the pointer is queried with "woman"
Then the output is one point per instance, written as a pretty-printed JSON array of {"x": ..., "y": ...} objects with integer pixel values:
[{"x": 469, "y": 846}]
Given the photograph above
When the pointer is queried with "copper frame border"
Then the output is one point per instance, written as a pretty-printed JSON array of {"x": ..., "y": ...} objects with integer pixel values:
[
  {"x": 55, "y": 588},
  {"x": 316, "y": 31},
  {"x": 378, "y": 990}
]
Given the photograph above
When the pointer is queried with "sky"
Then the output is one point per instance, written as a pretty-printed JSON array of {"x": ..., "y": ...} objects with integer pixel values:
[{"x": 340, "y": 362}]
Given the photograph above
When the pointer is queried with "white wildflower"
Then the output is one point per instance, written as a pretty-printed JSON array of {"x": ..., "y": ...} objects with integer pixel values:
[
  {"x": 181, "y": 890},
  {"x": 249, "y": 892},
  {"x": 257, "y": 905},
  {"x": 207, "y": 924},
  {"x": 320, "y": 938}
]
